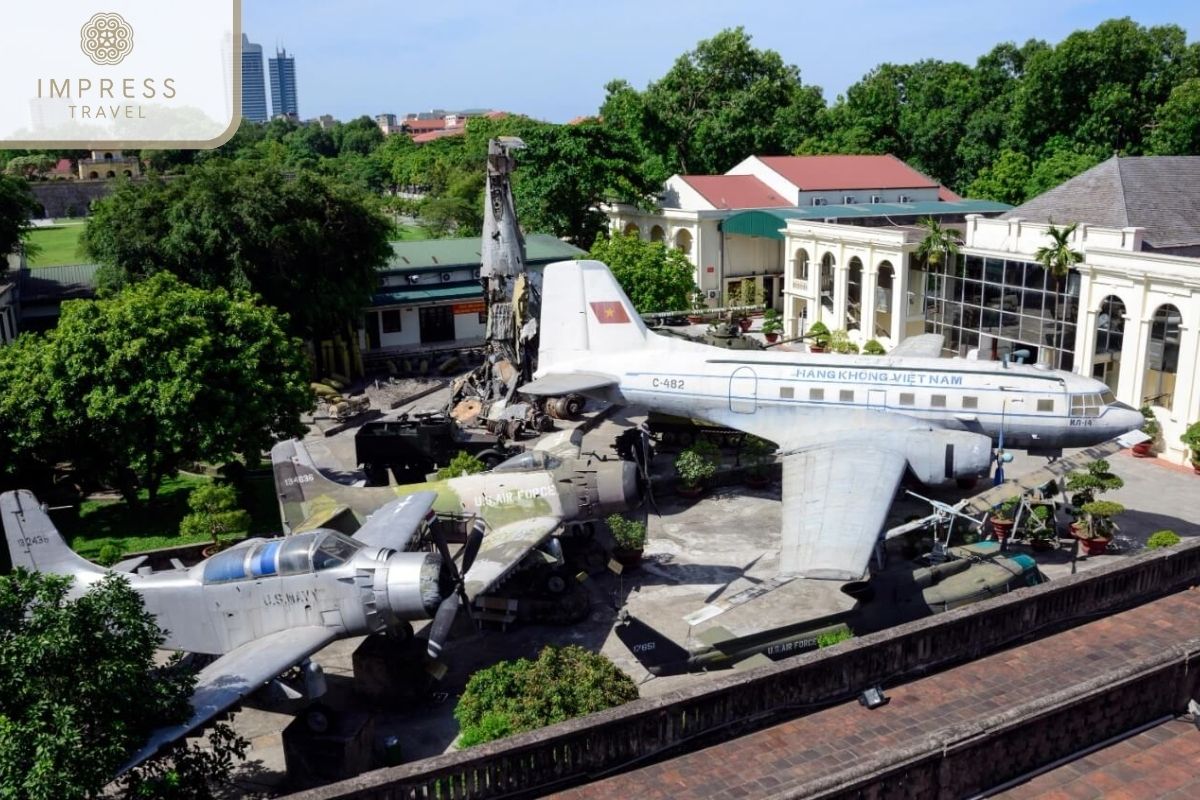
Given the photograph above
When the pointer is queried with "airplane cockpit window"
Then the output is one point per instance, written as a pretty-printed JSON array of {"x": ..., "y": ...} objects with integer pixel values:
[
  {"x": 295, "y": 556},
  {"x": 1086, "y": 405},
  {"x": 533, "y": 460},
  {"x": 1108, "y": 398},
  {"x": 230, "y": 565},
  {"x": 334, "y": 550}
]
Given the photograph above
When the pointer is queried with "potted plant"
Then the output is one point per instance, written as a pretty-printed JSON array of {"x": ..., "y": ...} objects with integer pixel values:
[
  {"x": 749, "y": 295},
  {"x": 629, "y": 539},
  {"x": 1040, "y": 527},
  {"x": 839, "y": 342},
  {"x": 757, "y": 453},
  {"x": 818, "y": 337},
  {"x": 1090, "y": 483},
  {"x": 1098, "y": 526},
  {"x": 1002, "y": 518},
  {"x": 696, "y": 315},
  {"x": 772, "y": 325},
  {"x": 873, "y": 348},
  {"x": 696, "y": 465},
  {"x": 1152, "y": 429},
  {"x": 1191, "y": 437}
]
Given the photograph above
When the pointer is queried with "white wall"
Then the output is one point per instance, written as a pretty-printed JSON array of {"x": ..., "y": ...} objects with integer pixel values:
[
  {"x": 861, "y": 196},
  {"x": 468, "y": 326},
  {"x": 1024, "y": 237},
  {"x": 410, "y": 332},
  {"x": 754, "y": 166}
]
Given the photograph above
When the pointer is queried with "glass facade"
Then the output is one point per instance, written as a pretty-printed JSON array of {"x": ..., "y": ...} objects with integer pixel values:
[{"x": 1001, "y": 306}]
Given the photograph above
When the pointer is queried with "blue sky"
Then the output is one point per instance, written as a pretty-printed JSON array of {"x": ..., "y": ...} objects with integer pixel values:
[{"x": 550, "y": 60}]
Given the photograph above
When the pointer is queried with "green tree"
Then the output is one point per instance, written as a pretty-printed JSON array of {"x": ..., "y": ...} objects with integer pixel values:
[
  {"x": 939, "y": 243},
  {"x": 1005, "y": 180},
  {"x": 463, "y": 463},
  {"x": 215, "y": 513},
  {"x": 656, "y": 278},
  {"x": 1176, "y": 129},
  {"x": 360, "y": 136},
  {"x": 16, "y": 207},
  {"x": 68, "y": 722},
  {"x": 308, "y": 245},
  {"x": 522, "y": 695},
  {"x": 1060, "y": 162},
  {"x": 31, "y": 166},
  {"x": 161, "y": 375},
  {"x": 1058, "y": 258},
  {"x": 567, "y": 171},
  {"x": 724, "y": 101}
]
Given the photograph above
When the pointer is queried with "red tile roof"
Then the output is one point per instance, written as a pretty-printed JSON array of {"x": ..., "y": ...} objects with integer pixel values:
[
  {"x": 422, "y": 125},
  {"x": 429, "y": 136},
  {"x": 736, "y": 191},
  {"x": 828, "y": 173},
  {"x": 947, "y": 196}
]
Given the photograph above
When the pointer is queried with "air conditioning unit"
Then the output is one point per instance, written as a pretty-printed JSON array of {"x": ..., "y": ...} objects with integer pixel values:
[
  {"x": 476, "y": 273},
  {"x": 713, "y": 294},
  {"x": 414, "y": 278},
  {"x": 849, "y": 200},
  {"x": 445, "y": 277},
  {"x": 818, "y": 201},
  {"x": 905, "y": 199},
  {"x": 875, "y": 198}
]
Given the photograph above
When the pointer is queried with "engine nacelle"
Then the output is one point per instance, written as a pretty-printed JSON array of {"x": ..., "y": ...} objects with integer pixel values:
[
  {"x": 939, "y": 456},
  {"x": 413, "y": 584}
]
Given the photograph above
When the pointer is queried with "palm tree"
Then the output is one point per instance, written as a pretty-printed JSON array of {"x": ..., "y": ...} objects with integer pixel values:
[
  {"x": 938, "y": 243},
  {"x": 1058, "y": 258}
]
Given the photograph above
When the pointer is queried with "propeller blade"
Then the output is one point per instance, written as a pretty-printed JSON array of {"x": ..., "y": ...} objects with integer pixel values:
[
  {"x": 442, "y": 622},
  {"x": 444, "y": 549},
  {"x": 474, "y": 542},
  {"x": 646, "y": 454}
]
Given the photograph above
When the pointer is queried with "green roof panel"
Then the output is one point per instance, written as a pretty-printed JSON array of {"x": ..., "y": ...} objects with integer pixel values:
[
  {"x": 769, "y": 223},
  {"x": 421, "y": 294},
  {"x": 430, "y": 254}
]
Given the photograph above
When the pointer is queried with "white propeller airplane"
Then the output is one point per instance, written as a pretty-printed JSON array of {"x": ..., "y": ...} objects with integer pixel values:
[{"x": 847, "y": 426}]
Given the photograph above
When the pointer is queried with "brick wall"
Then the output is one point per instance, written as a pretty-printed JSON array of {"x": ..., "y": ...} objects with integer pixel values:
[
  {"x": 70, "y": 198},
  {"x": 731, "y": 705}
]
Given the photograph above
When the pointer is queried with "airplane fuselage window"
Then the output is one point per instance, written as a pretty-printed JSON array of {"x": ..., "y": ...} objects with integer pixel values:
[
  {"x": 908, "y": 399},
  {"x": 1044, "y": 405},
  {"x": 970, "y": 402},
  {"x": 786, "y": 393},
  {"x": 816, "y": 394},
  {"x": 846, "y": 396},
  {"x": 938, "y": 401}
]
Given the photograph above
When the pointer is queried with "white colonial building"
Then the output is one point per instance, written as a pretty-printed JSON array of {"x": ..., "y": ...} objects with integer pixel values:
[{"x": 731, "y": 226}]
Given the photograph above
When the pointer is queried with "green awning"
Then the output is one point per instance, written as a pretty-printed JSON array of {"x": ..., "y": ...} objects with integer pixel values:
[
  {"x": 421, "y": 294},
  {"x": 769, "y": 223}
]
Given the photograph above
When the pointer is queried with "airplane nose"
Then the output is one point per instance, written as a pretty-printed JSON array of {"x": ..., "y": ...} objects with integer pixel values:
[{"x": 1127, "y": 419}]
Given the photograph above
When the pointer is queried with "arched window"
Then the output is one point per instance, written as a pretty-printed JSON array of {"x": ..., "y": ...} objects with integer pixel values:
[
  {"x": 108, "y": 156},
  {"x": 827, "y": 263},
  {"x": 1110, "y": 337},
  {"x": 110, "y": 174},
  {"x": 854, "y": 312},
  {"x": 1162, "y": 357},
  {"x": 800, "y": 265},
  {"x": 632, "y": 229},
  {"x": 657, "y": 234},
  {"x": 93, "y": 175},
  {"x": 683, "y": 241},
  {"x": 884, "y": 298}
]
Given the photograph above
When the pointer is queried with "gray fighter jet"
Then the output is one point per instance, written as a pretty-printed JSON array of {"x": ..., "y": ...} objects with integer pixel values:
[{"x": 264, "y": 605}]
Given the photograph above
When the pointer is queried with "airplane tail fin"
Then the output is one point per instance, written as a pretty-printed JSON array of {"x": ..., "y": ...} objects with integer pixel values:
[
  {"x": 653, "y": 650},
  {"x": 298, "y": 482},
  {"x": 33, "y": 541},
  {"x": 584, "y": 312}
]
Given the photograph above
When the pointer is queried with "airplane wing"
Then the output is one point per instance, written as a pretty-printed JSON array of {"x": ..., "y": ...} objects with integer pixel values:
[
  {"x": 394, "y": 525},
  {"x": 835, "y": 500},
  {"x": 990, "y": 498},
  {"x": 235, "y": 675},
  {"x": 927, "y": 345},
  {"x": 563, "y": 444},
  {"x": 503, "y": 548},
  {"x": 580, "y": 382}
]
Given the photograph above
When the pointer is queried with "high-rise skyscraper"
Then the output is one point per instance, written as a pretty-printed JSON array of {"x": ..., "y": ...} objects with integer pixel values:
[
  {"x": 283, "y": 85},
  {"x": 254, "y": 87}
]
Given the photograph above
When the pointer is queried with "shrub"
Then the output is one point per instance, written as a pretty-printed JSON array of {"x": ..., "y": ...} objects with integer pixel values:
[
  {"x": 215, "y": 513},
  {"x": 1191, "y": 437},
  {"x": 839, "y": 342},
  {"x": 771, "y": 321},
  {"x": 463, "y": 463},
  {"x": 1150, "y": 426},
  {"x": 629, "y": 534},
  {"x": 818, "y": 333},
  {"x": 1160, "y": 539},
  {"x": 522, "y": 695},
  {"x": 873, "y": 348},
  {"x": 830, "y": 638},
  {"x": 111, "y": 554},
  {"x": 696, "y": 464}
]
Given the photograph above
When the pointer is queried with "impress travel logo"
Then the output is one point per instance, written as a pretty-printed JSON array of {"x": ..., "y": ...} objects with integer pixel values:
[{"x": 136, "y": 73}]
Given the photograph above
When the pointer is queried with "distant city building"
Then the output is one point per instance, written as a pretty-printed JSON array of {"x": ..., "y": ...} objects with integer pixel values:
[
  {"x": 326, "y": 121},
  {"x": 254, "y": 87},
  {"x": 388, "y": 124},
  {"x": 284, "y": 100},
  {"x": 426, "y": 126},
  {"x": 107, "y": 164}
]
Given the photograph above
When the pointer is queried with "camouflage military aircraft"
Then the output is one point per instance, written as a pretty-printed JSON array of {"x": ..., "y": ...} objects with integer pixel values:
[
  {"x": 264, "y": 605},
  {"x": 520, "y": 503}
]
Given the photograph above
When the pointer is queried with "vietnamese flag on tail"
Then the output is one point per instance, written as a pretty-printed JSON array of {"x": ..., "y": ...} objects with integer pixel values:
[{"x": 609, "y": 312}]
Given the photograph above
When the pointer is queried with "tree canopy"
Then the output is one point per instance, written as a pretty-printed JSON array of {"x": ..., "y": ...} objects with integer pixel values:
[
  {"x": 16, "y": 207},
  {"x": 308, "y": 245},
  {"x": 655, "y": 277},
  {"x": 133, "y": 387}
]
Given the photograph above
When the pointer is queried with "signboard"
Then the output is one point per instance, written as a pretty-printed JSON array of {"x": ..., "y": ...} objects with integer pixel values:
[{"x": 472, "y": 307}]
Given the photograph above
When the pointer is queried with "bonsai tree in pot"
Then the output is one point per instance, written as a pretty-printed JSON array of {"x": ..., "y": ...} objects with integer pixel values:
[
  {"x": 757, "y": 454},
  {"x": 1098, "y": 527},
  {"x": 750, "y": 295},
  {"x": 629, "y": 539},
  {"x": 1152, "y": 429},
  {"x": 839, "y": 342},
  {"x": 1002, "y": 518},
  {"x": 873, "y": 348},
  {"x": 818, "y": 337},
  {"x": 1191, "y": 437},
  {"x": 698, "y": 307},
  {"x": 1040, "y": 527},
  {"x": 1087, "y": 485},
  {"x": 696, "y": 465},
  {"x": 772, "y": 325}
]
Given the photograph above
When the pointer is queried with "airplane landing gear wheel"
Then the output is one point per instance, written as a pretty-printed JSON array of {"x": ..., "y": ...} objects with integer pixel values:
[{"x": 318, "y": 719}]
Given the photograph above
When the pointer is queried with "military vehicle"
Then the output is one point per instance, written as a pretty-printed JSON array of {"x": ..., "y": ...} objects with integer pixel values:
[
  {"x": 414, "y": 445},
  {"x": 974, "y": 572}
]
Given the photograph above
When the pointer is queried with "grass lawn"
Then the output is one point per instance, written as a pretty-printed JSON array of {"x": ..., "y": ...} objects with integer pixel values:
[
  {"x": 58, "y": 245},
  {"x": 409, "y": 233},
  {"x": 97, "y": 523}
]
